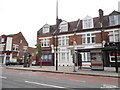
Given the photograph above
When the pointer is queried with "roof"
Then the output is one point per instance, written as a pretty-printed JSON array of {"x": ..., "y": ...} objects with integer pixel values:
[{"x": 73, "y": 24}]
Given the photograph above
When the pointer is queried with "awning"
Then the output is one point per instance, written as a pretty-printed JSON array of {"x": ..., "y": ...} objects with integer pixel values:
[{"x": 88, "y": 49}]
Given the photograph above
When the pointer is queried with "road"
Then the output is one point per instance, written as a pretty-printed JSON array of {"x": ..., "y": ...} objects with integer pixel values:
[{"x": 28, "y": 79}]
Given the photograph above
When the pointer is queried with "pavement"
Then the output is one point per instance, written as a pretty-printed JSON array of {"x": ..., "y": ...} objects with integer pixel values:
[{"x": 108, "y": 71}]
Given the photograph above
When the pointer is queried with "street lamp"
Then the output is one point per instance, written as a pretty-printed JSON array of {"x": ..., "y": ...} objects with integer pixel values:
[
  {"x": 74, "y": 44},
  {"x": 102, "y": 42},
  {"x": 56, "y": 51}
]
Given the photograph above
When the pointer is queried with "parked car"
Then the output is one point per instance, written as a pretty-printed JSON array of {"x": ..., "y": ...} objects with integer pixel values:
[{"x": 11, "y": 63}]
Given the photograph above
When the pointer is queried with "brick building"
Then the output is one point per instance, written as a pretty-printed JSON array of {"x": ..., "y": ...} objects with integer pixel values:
[
  {"x": 87, "y": 35},
  {"x": 32, "y": 51},
  {"x": 12, "y": 47}
]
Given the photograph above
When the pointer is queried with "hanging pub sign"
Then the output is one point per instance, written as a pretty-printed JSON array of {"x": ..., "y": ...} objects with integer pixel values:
[{"x": 96, "y": 60}]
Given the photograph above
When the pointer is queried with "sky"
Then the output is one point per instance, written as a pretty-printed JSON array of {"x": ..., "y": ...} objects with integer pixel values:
[{"x": 28, "y": 16}]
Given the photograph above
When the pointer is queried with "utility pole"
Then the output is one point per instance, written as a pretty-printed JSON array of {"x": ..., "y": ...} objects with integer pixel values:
[
  {"x": 102, "y": 40},
  {"x": 74, "y": 44},
  {"x": 56, "y": 35}
]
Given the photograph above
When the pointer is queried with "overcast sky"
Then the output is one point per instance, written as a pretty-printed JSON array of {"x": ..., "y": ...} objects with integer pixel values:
[{"x": 28, "y": 16}]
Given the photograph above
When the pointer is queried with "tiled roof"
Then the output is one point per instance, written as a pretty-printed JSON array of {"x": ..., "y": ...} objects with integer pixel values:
[{"x": 72, "y": 25}]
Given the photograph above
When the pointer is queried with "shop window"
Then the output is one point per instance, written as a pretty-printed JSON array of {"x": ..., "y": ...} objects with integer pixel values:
[{"x": 46, "y": 57}]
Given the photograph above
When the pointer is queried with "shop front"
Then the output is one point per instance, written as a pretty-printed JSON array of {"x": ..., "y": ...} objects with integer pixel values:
[
  {"x": 46, "y": 58},
  {"x": 96, "y": 58}
]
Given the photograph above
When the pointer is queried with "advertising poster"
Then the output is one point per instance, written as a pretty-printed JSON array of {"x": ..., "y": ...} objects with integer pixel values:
[{"x": 96, "y": 60}]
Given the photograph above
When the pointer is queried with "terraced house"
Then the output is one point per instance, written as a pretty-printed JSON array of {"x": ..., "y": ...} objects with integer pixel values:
[{"x": 87, "y": 36}]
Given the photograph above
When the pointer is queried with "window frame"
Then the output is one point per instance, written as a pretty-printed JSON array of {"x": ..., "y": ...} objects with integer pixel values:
[
  {"x": 112, "y": 36},
  {"x": 87, "y": 22},
  {"x": 113, "y": 20},
  {"x": 46, "y": 29},
  {"x": 15, "y": 47},
  {"x": 63, "y": 41},
  {"x": 63, "y": 26},
  {"x": 89, "y": 36},
  {"x": 45, "y": 42}
]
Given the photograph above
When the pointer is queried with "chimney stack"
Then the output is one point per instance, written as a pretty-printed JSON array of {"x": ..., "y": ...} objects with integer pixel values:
[{"x": 100, "y": 15}]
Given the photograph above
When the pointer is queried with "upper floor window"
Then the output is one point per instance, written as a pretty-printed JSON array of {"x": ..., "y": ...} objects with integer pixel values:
[
  {"x": 15, "y": 47},
  {"x": 25, "y": 48},
  {"x": 87, "y": 22},
  {"x": 114, "y": 36},
  {"x": 46, "y": 28},
  {"x": 20, "y": 41},
  {"x": 63, "y": 26},
  {"x": 2, "y": 47},
  {"x": 45, "y": 42},
  {"x": 114, "y": 20},
  {"x": 88, "y": 38},
  {"x": 64, "y": 40},
  {"x": 2, "y": 40}
]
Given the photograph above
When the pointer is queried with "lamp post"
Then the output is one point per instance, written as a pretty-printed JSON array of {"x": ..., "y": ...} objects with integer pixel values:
[
  {"x": 74, "y": 54},
  {"x": 56, "y": 40},
  {"x": 74, "y": 44},
  {"x": 102, "y": 42}
]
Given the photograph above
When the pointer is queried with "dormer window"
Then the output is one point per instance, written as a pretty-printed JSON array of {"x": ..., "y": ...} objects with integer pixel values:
[
  {"x": 114, "y": 20},
  {"x": 46, "y": 28},
  {"x": 87, "y": 22},
  {"x": 63, "y": 26}
]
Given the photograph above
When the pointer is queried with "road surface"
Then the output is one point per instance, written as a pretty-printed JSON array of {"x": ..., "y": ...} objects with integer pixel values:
[{"x": 28, "y": 79}]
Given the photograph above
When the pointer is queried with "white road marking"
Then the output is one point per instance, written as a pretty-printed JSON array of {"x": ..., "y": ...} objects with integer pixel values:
[
  {"x": 109, "y": 86},
  {"x": 44, "y": 84},
  {"x": 3, "y": 77},
  {"x": 77, "y": 80}
]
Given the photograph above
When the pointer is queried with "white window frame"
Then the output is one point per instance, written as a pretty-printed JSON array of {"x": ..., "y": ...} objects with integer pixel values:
[
  {"x": 46, "y": 28},
  {"x": 86, "y": 36},
  {"x": 63, "y": 26},
  {"x": 15, "y": 46},
  {"x": 113, "y": 34},
  {"x": 2, "y": 40},
  {"x": 2, "y": 47},
  {"x": 113, "y": 20},
  {"x": 25, "y": 48},
  {"x": 64, "y": 56},
  {"x": 63, "y": 41},
  {"x": 86, "y": 57},
  {"x": 45, "y": 42},
  {"x": 87, "y": 22}
]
